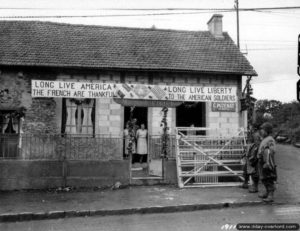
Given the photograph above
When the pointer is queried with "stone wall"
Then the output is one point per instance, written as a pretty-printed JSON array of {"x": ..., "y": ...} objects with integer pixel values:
[
  {"x": 40, "y": 114},
  {"x": 16, "y": 175},
  {"x": 109, "y": 117},
  {"x": 223, "y": 123},
  {"x": 97, "y": 173},
  {"x": 14, "y": 90},
  {"x": 88, "y": 166},
  {"x": 45, "y": 115},
  {"x": 41, "y": 117}
]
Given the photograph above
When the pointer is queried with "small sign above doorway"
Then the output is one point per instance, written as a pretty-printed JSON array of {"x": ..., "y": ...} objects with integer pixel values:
[
  {"x": 147, "y": 103},
  {"x": 223, "y": 107}
]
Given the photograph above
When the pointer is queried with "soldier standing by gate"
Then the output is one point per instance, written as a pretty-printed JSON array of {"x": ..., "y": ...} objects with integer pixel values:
[{"x": 266, "y": 164}]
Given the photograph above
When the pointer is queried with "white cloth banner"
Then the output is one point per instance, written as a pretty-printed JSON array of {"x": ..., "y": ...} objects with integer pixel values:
[{"x": 68, "y": 89}]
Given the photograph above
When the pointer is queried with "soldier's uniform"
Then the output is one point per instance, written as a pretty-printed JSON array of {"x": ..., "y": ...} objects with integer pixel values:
[
  {"x": 252, "y": 166},
  {"x": 267, "y": 167}
]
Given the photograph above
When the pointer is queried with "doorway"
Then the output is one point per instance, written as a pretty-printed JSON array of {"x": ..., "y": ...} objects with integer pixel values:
[
  {"x": 139, "y": 113},
  {"x": 191, "y": 113},
  {"x": 139, "y": 166}
]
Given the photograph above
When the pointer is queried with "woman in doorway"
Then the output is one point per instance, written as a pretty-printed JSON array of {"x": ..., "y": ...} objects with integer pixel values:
[
  {"x": 142, "y": 147},
  {"x": 127, "y": 139}
]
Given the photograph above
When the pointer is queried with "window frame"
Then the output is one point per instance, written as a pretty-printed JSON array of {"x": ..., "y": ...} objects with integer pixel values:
[{"x": 79, "y": 120}]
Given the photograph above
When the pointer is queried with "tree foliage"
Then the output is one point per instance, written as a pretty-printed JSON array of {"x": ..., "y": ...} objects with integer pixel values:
[
  {"x": 285, "y": 117},
  {"x": 268, "y": 106}
]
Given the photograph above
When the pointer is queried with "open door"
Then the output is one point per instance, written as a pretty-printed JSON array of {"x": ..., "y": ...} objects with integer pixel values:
[
  {"x": 191, "y": 114},
  {"x": 155, "y": 160}
]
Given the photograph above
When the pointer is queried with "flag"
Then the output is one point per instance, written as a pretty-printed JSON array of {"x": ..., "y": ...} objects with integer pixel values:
[{"x": 158, "y": 92}]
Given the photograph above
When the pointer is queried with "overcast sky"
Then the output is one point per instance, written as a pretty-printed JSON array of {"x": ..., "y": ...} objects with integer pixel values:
[{"x": 269, "y": 38}]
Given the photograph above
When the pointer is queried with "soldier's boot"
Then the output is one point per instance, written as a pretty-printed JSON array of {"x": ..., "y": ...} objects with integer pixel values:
[
  {"x": 263, "y": 195},
  {"x": 244, "y": 185},
  {"x": 253, "y": 188},
  {"x": 270, "y": 197},
  {"x": 246, "y": 180}
]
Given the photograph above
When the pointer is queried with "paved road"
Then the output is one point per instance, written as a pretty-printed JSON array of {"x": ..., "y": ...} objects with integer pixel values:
[
  {"x": 199, "y": 220},
  {"x": 288, "y": 162}
]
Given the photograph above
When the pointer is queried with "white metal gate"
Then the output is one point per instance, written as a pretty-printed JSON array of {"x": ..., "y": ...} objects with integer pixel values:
[{"x": 208, "y": 160}]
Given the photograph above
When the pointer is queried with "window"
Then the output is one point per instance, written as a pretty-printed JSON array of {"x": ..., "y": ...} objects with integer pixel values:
[
  {"x": 10, "y": 123},
  {"x": 78, "y": 116},
  {"x": 191, "y": 113}
]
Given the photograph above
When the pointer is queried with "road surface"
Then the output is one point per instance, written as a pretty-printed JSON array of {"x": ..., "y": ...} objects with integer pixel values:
[
  {"x": 288, "y": 161},
  {"x": 198, "y": 220}
]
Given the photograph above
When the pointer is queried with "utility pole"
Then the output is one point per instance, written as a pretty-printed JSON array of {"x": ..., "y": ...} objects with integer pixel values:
[{"x": 237, "y": 23}]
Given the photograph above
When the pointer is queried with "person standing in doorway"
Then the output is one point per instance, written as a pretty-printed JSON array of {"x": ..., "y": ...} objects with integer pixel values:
[
  {"x": 142, "y": 147},
  {"x": 127, "y": 139},
  {"x": 135, "y": 156}
]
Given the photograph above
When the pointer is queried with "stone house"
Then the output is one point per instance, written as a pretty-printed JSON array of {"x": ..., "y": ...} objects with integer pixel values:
[{"x": 59, "y": 140}]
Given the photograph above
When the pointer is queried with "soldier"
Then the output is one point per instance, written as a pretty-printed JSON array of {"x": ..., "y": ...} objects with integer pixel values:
[
  {"x": 266, "y": 162},
  {"x": 252, "y": 162}
]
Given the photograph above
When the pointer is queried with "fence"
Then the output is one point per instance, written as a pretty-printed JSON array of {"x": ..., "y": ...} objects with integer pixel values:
[
  {"x": 72, "y": 147},
  {"x": 58, "y": 147}
]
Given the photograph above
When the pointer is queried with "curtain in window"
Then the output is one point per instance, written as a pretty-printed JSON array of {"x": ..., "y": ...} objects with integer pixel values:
[
  {"x": 15, "y": 124},
  {"x": 87, "y": 124},
  {"x": 79, "y": 117},
  {"x": 71, "y": 120},
  {"x": 4, "y": 124}
]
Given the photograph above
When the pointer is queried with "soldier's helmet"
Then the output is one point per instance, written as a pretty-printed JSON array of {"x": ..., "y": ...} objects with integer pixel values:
[{"x": 267, "y": 127}]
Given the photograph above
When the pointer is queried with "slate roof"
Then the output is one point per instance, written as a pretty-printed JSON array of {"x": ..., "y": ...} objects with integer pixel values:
[{"x": 34, "y": 43}]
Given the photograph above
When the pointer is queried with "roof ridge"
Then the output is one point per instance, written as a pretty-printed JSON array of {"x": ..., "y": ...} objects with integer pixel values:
[
  {"x": 63, "y": 44},
  {"x": 104, "y": 26}
]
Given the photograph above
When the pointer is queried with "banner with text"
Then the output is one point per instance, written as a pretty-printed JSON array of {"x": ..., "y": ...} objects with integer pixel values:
[{"x": 68, "y": 89}]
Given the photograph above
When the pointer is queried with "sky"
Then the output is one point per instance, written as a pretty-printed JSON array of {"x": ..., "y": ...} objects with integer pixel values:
[{"x": 268, "y": 39}]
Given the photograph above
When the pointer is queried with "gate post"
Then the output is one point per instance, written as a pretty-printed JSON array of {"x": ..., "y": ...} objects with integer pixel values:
[
  {"x": 64, "y": 171},
  {"x": 64, "y": 165},
  {"x": 165, "y": 141}
]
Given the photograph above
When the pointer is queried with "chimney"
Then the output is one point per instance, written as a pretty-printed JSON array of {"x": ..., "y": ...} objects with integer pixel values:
[{"x": 215, "y": 26}]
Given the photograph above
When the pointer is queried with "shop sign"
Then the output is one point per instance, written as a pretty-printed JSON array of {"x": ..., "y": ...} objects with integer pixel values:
[
  {"x": 223, "y": 107},
  {"x": 147, "y": 103},
  {"x": 65, "y": 89}
]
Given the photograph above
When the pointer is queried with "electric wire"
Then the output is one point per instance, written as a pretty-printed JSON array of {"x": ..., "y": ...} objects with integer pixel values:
[
  {"x": 194, "y": 11},
  {"x": 153, "y": 9},
  {"x": 275, "y": 80},
  {"x": 103, "y": 15}
]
